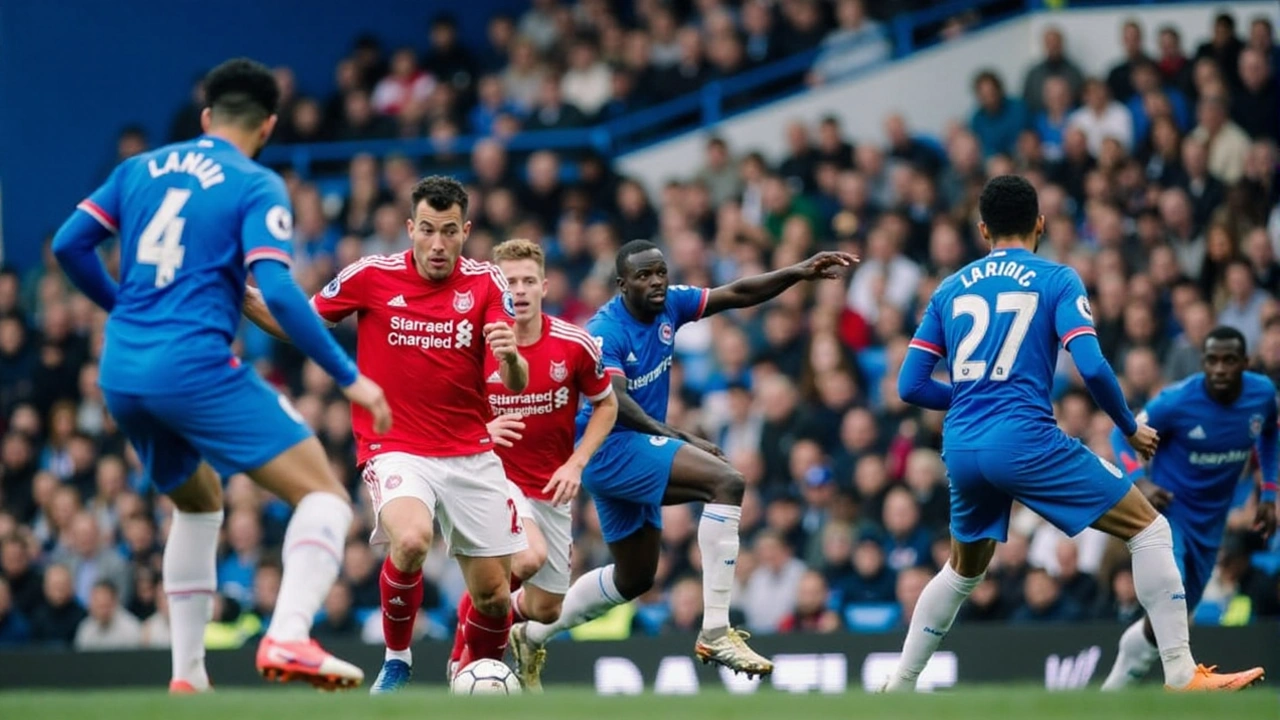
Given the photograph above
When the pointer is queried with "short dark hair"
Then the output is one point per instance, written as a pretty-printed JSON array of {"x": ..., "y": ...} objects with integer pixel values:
[
  {"x": 242, "y": 91},
  {"x": 635, "y": 247},
  {"x": 107, "y": 585},
  {"x": 1009, "y": 206},
  {"x": 441, "y": 193},
  {"x": 1226, "y": 333}
]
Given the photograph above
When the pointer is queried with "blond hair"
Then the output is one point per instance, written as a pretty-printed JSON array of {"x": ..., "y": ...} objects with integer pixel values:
[{"x": 521, "y": 249}]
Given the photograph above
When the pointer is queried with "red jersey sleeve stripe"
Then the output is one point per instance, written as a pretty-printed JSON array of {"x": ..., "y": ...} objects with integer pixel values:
[
  {"x": 926, "y": 346},
  {"x": 615, "y": 371},
  {"x": 1086, "y": 330},
  {"x": 267, "y": 253},
  {"x": 97, "y": 213},
  {"x": 602, "y": 394},
  {"x": 702, "y": 304}
]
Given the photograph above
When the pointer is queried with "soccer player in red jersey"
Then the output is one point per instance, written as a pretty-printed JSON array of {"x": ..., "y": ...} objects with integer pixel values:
[
  {"x": 534, "y": 432},
  {"x": 424, "y": 319}
]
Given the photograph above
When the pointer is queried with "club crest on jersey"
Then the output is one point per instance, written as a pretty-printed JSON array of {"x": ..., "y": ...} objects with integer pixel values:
[
  {"x": 331, "y": 290},
  {"x": 559, "y": 371},
  {"x": 666, "y": 334},
  {"x": 463, "y": 301},
  {"x": 1082, "y": 304},
  {"x": 1255, "y": 426}
]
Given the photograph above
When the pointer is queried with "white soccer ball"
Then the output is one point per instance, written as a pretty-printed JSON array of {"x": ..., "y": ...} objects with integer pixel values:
[{"x": 485, "y": 677}]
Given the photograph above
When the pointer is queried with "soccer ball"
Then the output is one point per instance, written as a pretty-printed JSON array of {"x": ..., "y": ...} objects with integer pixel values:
[{"x": 485, "y": 677}]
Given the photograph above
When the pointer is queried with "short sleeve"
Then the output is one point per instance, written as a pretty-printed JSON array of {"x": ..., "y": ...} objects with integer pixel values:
[
  {"x": 104, "y": 204},
  {"x": 589, "y": 372},
  {"x": 930, "y": 336},
  {"x": 687, "y": 303},
  {"x": 610, "y": 345},
  {"x": 266, "y": 231},
  {"x": 1072, "y": 316},
  {"x": 499, "y": 306},
  {"x": 344, "y": 294}
]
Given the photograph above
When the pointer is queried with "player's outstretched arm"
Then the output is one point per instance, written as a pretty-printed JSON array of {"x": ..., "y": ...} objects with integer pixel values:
[
  {"x": 761, "y": 288},
  {"x": 916, "y": 384},
  {"x": 76, "y": 247},
  {"x": 1101, "y": 381},
  {"x": 298, "y": 321}
]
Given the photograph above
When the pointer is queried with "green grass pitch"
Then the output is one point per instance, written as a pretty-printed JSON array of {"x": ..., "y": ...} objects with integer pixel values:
[{"x": 988, "y": 703}]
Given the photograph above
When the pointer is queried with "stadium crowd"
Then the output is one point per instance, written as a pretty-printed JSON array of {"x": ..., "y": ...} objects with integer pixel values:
[{"x": 1159, "y": 183}]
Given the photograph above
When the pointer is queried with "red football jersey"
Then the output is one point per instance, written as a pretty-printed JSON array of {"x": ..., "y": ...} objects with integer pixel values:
[
  {"x": 564, "y": 365},
  {"x": 423, "y": 342}
]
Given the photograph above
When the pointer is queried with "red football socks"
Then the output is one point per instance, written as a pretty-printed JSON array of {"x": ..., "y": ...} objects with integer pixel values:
[{"x": 401, "y": 600}]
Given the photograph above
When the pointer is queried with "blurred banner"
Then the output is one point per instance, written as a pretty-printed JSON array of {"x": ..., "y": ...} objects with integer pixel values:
[{"x": 1061, "y": 657}]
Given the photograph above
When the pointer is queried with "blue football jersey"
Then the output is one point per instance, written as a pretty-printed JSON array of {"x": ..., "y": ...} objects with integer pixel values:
[
  {"x": 191, "y": 217},
  {"x": 998, "y": 323},
  {"x": 642, "y": 352},
  {"x": 1205, "y": 449}
]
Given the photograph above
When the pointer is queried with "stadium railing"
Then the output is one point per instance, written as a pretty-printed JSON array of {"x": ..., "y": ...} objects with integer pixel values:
[{"x": 715, "y": 101}]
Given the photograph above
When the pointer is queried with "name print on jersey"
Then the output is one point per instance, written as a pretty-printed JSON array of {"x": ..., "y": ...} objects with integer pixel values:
[{"x": 438, "y": 335}]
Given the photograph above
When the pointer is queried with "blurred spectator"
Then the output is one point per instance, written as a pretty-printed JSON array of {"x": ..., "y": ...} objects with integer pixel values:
[
  {"x": 857, "y": 42},
  {"x": 14, "y": 628},
  {"x": 1101, "y": 118},
  {"x": 1045, "y": 602},
  {"x": 1055, "y": 64},
  {"x": 57, "y": 618},
  {"x": 999, "y": 119},
  {"x": 770, "y": 594},
  {"x": 1119, "y": 78},
  {"x": 1224, "y": 48},
  {"x": 1228, "y": 144},
  {"x": 1255, "y": 106},
  {"x": 811, "y": 612},
  {"x": 108, "y": 625}
]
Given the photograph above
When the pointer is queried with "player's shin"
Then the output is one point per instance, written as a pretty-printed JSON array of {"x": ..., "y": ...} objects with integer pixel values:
[
  {"x": 1158, "y": 585},
  {"x": 930, "y": 622},
  {"x": 590, "y": 596},
  {"x": 190, "y": 580},
  {"x": 718, "y": 541},
  {"x": 401, "y": 599},
  {"x": 485, "y": 635},
  {"x": 313, "y": 545},
  {"x": 1134, "y": 659}
]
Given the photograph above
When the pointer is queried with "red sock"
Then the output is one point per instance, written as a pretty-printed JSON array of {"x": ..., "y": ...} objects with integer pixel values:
[
  {"x": 459, "y": 636},
  {"x": 486, "y": 637},
  {"x": 401, "y": 600}
]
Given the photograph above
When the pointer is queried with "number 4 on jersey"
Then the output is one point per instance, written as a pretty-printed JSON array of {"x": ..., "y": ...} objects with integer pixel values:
[
  {"x": 1022, "y": 304},
  {"x": 160, "y": 243}
]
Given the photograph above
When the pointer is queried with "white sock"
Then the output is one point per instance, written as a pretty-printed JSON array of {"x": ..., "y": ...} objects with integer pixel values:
[
  {"x": 1159, "y": 589},
  {"x": 590, "y": 596},
  {"x": 313, "y": 545},
  {"x": 190, "y": 580},
  {"x": 406, "y": 655},
  {"x": 1134, "y": 660},
  {"x": 718, "y": 541},
  {"x": 935, "y": 612}
]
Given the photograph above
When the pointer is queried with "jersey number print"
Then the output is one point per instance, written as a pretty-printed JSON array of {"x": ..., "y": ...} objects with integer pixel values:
[{"x": 1022, "y": 304}]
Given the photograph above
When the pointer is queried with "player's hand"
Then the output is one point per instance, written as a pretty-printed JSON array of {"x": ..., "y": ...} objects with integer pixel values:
[
  {"x": 706, "y": 446},
  {"x": 564, "y": 484},
  {"x": 502, "y": 341},
  {"x": 1144, "y": 440},
  {"x": 1265, "y": 521},
  {"x": 366, "y": 393},
  {"x": 1156, "y": 495},
  {"x": 826, "y": 265},
  {"x": 505, "y": 429}
]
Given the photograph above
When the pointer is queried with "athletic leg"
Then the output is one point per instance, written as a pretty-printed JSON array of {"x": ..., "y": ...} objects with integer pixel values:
[
  {"x": 1138, "y": 650},
  {"x": 403, "y": 499},
  {"x": 191, "y": 574},
  {"x": 979, "y": 519},
  {"x": 190, "y": 554}
]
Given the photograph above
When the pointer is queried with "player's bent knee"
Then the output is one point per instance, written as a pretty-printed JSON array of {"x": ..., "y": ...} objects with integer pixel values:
[
  {"x": 545, "y": 611},
  {"x": 493, "y": 600},
  {"x": 730, "y": 487}
]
